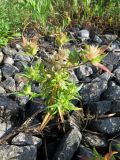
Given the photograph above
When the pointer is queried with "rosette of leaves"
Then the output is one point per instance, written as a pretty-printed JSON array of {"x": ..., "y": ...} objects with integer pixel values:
[
  {"x": 30, "y": 47},
  {"x": 95, "y": 55}
]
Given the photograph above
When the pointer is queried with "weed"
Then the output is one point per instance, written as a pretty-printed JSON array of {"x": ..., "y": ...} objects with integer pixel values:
[{"x": 54, "y": 83}]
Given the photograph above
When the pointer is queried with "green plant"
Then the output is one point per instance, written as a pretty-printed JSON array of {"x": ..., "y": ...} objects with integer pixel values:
[
  {"x": 98, "y": 156},
  {"x": 37, "y": 10},
  {"x": 29, "y": 47},
  {"x": 53, "y": 79},
  {"x": 94, "y": 54},
  {"x": 55, "y": 86}
]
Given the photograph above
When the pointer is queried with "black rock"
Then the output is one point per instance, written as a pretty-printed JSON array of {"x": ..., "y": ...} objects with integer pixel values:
[
  {"x": 68, "y": 145},
  {"x": 9, "y": 84},
  {"x": 8, "y": 152},
  {"x": 92, "y": 140},
  {"x": 100, "y": 107},
  {"x": 84, "y": 153},
  {"x": 9, "y": 70},
  {"x": 8, "y": 60},
  {"x": 0, "y": 75},
  {"x": 92, "y": 91},
  {"x": 83, "y": 71},
  {"x": 22, "y": 100},
  {"x": 9, "y": 51},
  {"x": 20, "y": 65},
  {"x": 109, "y": 126},
  {"x": 21, "y": 56},
  {"x": 115, "y": 106},
  {"x": 5, "y": 127},
  {"x": 97, "y": 39},
  {"x": 34, "y": 106},
  {"x": 112, "y": 93},
  {"x": 2, "y": 90},
  {"x": 111, "y": 59},
  {"x": 117, "y": 74},
  {"x": 1, "y": 57},
  {"x": 23, "y": 139},
  {"x": 8, "y": 108}
]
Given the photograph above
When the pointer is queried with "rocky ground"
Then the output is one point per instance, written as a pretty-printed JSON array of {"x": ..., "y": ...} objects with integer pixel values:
[{"x": 75, "y": 140}]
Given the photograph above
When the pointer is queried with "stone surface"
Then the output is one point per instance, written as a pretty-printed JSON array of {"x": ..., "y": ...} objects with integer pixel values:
[
  {"x": 100, "y": 107},
  {"x": 97, "y": 39},
  {"x": 84, "y": 34},
  {"x": 83, "y": 71},
  {"x": 117, "y": 74},
  {"x": 20, "y": 65},
  {"x": 84, "y": 153},
  {"x": 8, "y": 60},
  {"x": 1, "y": 57},
  {"x": 114, "y": 45},
  {"x": 9, "y": 51},
  {"x": 9, "y": 84},
  {"x": 68, "y": 145},
  {"x": 23, "y": 139},
  {"x": 111, "y": 58},
  {"x": 22, "y": 100},
  {"x": 92, "y": 91},
  {"x": 11, "y": 152},
  {"x": 109, "y": 126},
  {"x": 73, "y": 77},
  {"x": 115, "y": 106},
  {"x": 110, "y": 37},
  {"x": 2, "y": 90},
  {"x": 112, "y": 93},
  {"x": 0, "y": 75},
  {"x": 22, "y": 57},
  {"x": 8, "y": 108},
  {"x": 9, "y": 70},
  {"x": 91, "y": 140},
  {"x": 34, "y": 106},
  {"x": 4, "y": 127}
]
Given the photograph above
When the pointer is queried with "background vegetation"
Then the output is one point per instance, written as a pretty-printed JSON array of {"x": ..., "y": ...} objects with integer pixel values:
[{"x": 16, "y": 14}]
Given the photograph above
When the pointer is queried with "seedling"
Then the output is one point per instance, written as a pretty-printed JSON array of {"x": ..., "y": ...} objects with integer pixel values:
[
  {"x": 53, "y": 80},
  {"x": 95, "y": 55},
  {"x": 30, "y": 47}
]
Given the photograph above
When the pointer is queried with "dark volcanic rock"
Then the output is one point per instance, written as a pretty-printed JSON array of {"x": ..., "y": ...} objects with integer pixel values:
[
  {"x": 112, "y": 93},
  {"x": 9, "y": 84},
  {"x": 111, "y": 59},
  {"x": 1, "y": 57},
  {"x": 108, "y": 126},
  {"x": 4, "y": 127},
  {"x": 2, "y": 90},
  {"x": 23, "y": 139},
  {"x": 9, "y": 51},
  {"x": 115, "y": 106},
  {"x": 117, "y": 74},
  {"x": 0, "y": 75},
  {"x": 100, "y": 107},
  {"x": 68, "y": 145},
  {"x": 8, "y": 108},
  {"x": 83, "y": 71},
  {"x": 92, "y": 140},
  {"x": 84, "y": 153},
  {"x": 22, "y": 57},
  {"x": 8, "y": 60},
  {"x": 92, "y": 91},
  {"x": 11, "y": 152},
  {"x": 9, "y": 70},
  {"x": 34, "y": 106}
]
